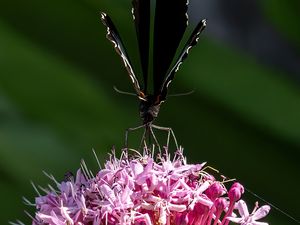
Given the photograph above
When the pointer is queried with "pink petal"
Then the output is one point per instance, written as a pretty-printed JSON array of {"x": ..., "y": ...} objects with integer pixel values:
[
  {"x": 243, "y": 209},
  {"x": 261, "y": 212}
]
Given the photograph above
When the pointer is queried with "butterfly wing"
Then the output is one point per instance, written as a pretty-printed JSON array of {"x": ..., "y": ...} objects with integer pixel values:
[
  {"x": 193, "y": 40},
  {"x": 170, "y": 23},
  {"x": 114, "y": 37},
  {"x": 141, "y": 16}
]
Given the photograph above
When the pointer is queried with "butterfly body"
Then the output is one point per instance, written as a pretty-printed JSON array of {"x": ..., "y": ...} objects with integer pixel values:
[
  {"x": 171, "y": 21},
  {"x": 149, "y": 108}
]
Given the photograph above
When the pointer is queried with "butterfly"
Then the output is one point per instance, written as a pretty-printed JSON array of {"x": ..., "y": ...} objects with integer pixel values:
[{"x": 170, "y": 23}]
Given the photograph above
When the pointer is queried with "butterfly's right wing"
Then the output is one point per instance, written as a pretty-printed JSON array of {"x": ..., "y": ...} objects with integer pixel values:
[
  {"x": 193, "y": 40},
  {"x": 114, "y": 37}
]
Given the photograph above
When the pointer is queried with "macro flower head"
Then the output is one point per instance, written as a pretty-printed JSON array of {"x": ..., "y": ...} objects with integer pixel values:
[{"x": 144, "y": 189}]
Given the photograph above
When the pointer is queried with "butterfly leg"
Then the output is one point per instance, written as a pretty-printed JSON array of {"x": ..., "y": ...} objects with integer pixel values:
[
  {"x": 148, "y": 131},
  {"x": 143, "y": 140},
  {"x": 154, "y": 137},
  {"x": 170, "y": 133},
  {"x": 133, "y": 129}
]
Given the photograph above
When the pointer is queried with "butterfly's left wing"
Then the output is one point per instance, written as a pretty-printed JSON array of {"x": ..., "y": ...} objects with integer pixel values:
[
  {"x": 193, "y": 40},
  {"x": 114, "y": 37},
  {"x": 170, "y": 23},
  {"x": 141, "y": 16}
]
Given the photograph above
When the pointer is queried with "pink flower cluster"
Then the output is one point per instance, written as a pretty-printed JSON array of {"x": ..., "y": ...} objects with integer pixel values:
[{"x": 137, "y": 189}]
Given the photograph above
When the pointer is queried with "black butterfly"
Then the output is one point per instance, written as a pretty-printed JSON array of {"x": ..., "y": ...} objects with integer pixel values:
[{"x": 171, "y": 20}]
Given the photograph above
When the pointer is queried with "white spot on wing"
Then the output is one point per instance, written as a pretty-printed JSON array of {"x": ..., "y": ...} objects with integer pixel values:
[
  {"x": 186, "y": 14},
  {"x": 133, "y": 11}
]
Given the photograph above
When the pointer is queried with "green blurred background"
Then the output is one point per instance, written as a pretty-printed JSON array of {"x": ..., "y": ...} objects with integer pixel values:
[{"x": 57, "y": 71}]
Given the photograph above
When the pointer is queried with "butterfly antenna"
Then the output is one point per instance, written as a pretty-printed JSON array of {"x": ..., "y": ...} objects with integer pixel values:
[
  {"x": 123, "y": 92},
  {"x": 182, "y": 94}
]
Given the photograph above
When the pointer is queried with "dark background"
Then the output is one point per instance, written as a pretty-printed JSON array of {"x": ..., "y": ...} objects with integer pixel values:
[{"x": 57, "y": 103}]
